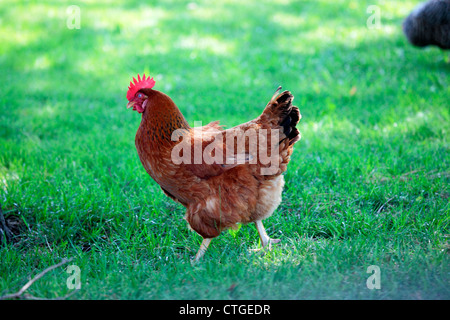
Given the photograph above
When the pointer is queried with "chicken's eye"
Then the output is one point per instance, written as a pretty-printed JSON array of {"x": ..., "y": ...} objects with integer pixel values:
[{"x": 140, "y": 95}]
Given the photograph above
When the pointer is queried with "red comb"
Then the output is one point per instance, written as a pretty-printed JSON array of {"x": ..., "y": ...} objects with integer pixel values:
[{"x": 138, "y": 85}]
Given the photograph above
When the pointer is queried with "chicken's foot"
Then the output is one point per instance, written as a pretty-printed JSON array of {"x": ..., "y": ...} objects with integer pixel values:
[
  {"x": 265, "y": 239},
  {"x": 202, "y": 249}
]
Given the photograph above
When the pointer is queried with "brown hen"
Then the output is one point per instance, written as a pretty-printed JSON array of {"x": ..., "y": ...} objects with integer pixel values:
[{"x": 222, "y": 177}]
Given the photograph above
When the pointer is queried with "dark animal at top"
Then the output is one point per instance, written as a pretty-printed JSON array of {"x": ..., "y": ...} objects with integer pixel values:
[{"x": 429, "y": 24}]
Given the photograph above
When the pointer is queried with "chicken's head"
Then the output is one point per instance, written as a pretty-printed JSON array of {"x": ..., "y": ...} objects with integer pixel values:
[{"x": 137, "y": 99}]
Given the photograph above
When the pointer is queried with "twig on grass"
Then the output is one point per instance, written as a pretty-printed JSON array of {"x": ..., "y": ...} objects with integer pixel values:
[
  {"x": 382, "y": 206},
  {"x": 22, "y": 290}
]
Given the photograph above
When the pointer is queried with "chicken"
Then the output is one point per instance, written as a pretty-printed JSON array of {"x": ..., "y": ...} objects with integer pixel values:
[
  {"x": 429, "y": 24},
  {"x": 222, "y": 177}
]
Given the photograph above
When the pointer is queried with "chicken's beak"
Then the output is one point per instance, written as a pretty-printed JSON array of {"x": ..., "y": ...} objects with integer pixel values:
[{"x": 130, "y": 104}]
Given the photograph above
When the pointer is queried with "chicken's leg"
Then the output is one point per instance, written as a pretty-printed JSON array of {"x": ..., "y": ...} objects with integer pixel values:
[
  {"x": 265, "y": 239},
  {"x": 202, "y": 250}
]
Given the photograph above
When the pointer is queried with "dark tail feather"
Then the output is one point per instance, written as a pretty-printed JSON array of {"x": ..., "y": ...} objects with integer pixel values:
[
  {"x": 293, "y": 133},
  {"x": 284, "y": 114}
]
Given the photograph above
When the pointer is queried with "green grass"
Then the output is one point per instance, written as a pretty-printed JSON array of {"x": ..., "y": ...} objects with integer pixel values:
[{"x": 368, "y": 184}]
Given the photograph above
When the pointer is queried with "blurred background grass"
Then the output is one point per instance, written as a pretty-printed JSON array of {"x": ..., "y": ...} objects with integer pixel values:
[{"x": 367, "y": 184}]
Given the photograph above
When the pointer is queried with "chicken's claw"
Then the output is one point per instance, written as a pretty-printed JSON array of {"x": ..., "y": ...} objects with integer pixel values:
[{"x": 267, "y": 246}]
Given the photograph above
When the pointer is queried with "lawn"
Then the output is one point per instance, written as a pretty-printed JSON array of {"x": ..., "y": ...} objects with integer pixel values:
[{"x": 367, "y": 185}]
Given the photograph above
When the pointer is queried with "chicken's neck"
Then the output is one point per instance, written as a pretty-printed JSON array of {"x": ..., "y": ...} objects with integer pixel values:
[{"x": 161, "y": 119}]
